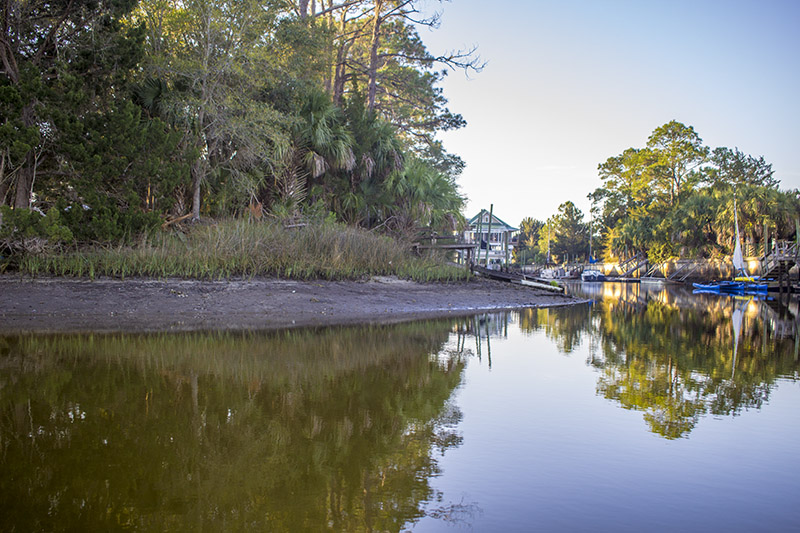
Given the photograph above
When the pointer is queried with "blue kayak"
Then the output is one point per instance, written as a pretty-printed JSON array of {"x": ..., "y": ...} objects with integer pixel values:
[{"x": 738, "y": 287}]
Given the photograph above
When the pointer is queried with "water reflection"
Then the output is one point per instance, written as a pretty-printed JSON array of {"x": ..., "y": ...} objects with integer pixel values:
[
  {"x": 677, "y": 356},
  {"x": 298, "y": 431},
  {"x": 674, "y": 355},
  {"x": 345, "y": 429}
]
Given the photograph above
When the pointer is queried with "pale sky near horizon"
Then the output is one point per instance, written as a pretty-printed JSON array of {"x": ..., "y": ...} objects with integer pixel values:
[{"x": 570, "y": 83}]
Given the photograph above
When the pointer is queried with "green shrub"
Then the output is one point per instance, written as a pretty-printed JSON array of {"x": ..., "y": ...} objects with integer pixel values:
[{"x": 19, "y": 224}]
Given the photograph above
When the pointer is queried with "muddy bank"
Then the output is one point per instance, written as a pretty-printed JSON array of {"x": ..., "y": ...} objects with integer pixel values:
[{"x": 65, "y": 305}]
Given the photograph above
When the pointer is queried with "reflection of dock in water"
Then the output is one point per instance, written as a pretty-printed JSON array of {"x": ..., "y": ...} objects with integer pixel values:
[
  {"x": 781, "y": 315},
  {"x": 781, "y": 318},
  {"x": 482, "y": 328}
]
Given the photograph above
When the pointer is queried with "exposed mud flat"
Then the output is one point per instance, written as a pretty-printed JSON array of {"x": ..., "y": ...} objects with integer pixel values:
[{"x": 107, "y": 305}]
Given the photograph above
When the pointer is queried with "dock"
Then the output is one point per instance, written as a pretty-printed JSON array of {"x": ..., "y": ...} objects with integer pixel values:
[{"x": 517, "y": 278}]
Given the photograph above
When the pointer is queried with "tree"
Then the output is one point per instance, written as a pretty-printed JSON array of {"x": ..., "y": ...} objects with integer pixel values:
[
  {"x": 320, "y": 142},
  {"x": 695, "y": 222},
  {"x": 627, "y": 184},
  {"x": 527, "y": 246},
  {"x": 680, "y": 152},
  {"x": 55, "y": 56},
  {"x": 734, "y": 168},
  {"x": 125, "y": 171},
  {"x": 213, "y": 56},
  {"x": 379, "y": 52},
  {"x": 422, "y": 196},
  {"x": 378, "y": 153},
  {"x": 570, "y": 232}
]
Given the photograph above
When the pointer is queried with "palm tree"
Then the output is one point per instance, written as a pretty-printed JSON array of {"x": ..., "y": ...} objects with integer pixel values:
[
  {"x": 423, "y": 196},
  {"x": 378, "y": 153},
  {"x": 319, "y": 142}
]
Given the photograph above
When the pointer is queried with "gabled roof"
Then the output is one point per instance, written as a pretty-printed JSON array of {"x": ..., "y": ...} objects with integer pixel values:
[{"x": 496, "y": 222}]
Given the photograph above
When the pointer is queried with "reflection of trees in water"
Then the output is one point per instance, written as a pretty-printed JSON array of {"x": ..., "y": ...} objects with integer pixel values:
[
  {"x": 674, "y": 362},
  {"x": 677, "y": 364},
  {"x": 564, "y": 325},
  {"x": 326, "y": 430}
]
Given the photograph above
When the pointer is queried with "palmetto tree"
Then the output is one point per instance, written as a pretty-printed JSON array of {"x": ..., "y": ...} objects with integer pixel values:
[
  {"x": 423, "y": 196},
  {"x": 320, "y": 142},
  {"x": 378, "y": 153}
]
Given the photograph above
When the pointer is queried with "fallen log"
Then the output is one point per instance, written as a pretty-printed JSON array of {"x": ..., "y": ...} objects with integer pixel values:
[{"x": 175, "y": 220}]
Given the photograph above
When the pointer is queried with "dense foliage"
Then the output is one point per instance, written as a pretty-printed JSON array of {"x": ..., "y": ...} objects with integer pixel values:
[
  {"x": 677, "y": 197},
  {"x": 674, "y": 197},
  {"x": 122, "y": 114}
]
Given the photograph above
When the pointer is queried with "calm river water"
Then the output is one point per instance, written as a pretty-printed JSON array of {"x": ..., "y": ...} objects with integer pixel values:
[{"x": 648, "y": 409}]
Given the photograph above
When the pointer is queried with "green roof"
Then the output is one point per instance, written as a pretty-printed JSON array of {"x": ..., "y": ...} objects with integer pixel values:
[{"x": 495, "y": 220}]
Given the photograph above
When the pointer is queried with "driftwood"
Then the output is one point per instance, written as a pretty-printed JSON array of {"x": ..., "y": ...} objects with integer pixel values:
[{"x": 175, "y": 220}]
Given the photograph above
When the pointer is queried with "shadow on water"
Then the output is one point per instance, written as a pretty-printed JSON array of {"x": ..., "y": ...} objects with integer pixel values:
[{"x": 333, "y": 429}]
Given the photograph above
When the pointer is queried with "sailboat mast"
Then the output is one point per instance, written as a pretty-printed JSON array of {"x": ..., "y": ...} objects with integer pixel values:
[{"x": 738, "y": 258}]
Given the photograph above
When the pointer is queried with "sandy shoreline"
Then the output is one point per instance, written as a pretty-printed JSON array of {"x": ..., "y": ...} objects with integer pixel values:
[{"x": 52, "y": 305}]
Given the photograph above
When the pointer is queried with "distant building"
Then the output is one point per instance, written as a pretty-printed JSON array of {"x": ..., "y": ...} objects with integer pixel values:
[{"x": 500, "y": 241}]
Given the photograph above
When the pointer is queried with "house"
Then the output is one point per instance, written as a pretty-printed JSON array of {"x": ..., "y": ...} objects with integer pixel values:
[{"x": 500, "y": 241}]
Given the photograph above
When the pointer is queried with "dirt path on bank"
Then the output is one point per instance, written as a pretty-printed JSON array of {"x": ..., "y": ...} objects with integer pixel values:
[{"x": 105, "y": 305}]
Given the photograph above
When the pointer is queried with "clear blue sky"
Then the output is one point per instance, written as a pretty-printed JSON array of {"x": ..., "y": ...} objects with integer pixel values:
[{"x": 570, "y": 83}]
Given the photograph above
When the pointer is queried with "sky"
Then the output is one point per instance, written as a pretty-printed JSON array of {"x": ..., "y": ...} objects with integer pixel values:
[{"x": 568, "y": 84}]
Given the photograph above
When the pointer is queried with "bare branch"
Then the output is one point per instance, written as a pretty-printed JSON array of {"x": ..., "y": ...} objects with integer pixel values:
[
  {"x": 337, "y": 7},
  {"x": 452, "y": 59}
]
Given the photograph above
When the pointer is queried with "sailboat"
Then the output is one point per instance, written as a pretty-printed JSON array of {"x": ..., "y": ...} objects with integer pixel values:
[
  {"x": 742, "y": 281},
  {"x": 741, "y": 276}
]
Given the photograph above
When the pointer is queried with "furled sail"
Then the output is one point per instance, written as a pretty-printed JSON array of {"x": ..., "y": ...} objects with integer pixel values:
[{"x": 738, "y": 258}]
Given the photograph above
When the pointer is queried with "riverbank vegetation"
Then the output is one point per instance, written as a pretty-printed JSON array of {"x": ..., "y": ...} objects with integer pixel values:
[
  {"x": 120, "y": 117},
  {"x": 239, "y": 248},
  {"x": 674, "y": 197}
]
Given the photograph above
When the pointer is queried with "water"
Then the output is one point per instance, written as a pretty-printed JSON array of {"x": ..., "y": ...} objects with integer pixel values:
[{"x": 648, "y": 409}]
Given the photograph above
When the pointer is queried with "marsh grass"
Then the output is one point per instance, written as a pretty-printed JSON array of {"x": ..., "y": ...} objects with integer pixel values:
[{"x": 238, "y": 248}]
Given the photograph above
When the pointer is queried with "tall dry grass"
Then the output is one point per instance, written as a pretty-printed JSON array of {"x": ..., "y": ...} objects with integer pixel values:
[{"x": 238, "y": 248}]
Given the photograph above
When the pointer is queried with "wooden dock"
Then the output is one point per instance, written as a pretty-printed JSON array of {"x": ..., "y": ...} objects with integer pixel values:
[
  {"x": 431, "y": 240},
  {"x": 514, "y": 277}
]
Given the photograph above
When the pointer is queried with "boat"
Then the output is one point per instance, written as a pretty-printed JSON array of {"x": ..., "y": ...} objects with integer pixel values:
[
  {"x": 707, "y": 287},
  {"x": 592, "y": 275},
  {"x": 754, "y": 295},
  {"x": 742, "y": 283},
  {"x": 656, "y": 281},
  {"x": 732, "y": 287}
]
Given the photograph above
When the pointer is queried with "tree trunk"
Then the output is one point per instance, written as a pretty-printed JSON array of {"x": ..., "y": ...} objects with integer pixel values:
[
  {"x": 303, "y": 7},
  {"x": 330, "y": 52},
  {"x": 372, "y": 73},
  {"x": 340, "y": 75},
  {"x": 3, "y": 182},
  {"x": 22, "y": 196},
  {"x": 340, "y": 66},
  {"x": 197, "y": 178}
]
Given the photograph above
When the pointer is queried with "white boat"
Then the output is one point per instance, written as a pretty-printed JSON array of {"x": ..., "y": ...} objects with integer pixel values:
[{"x": 592, "y": 275}]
